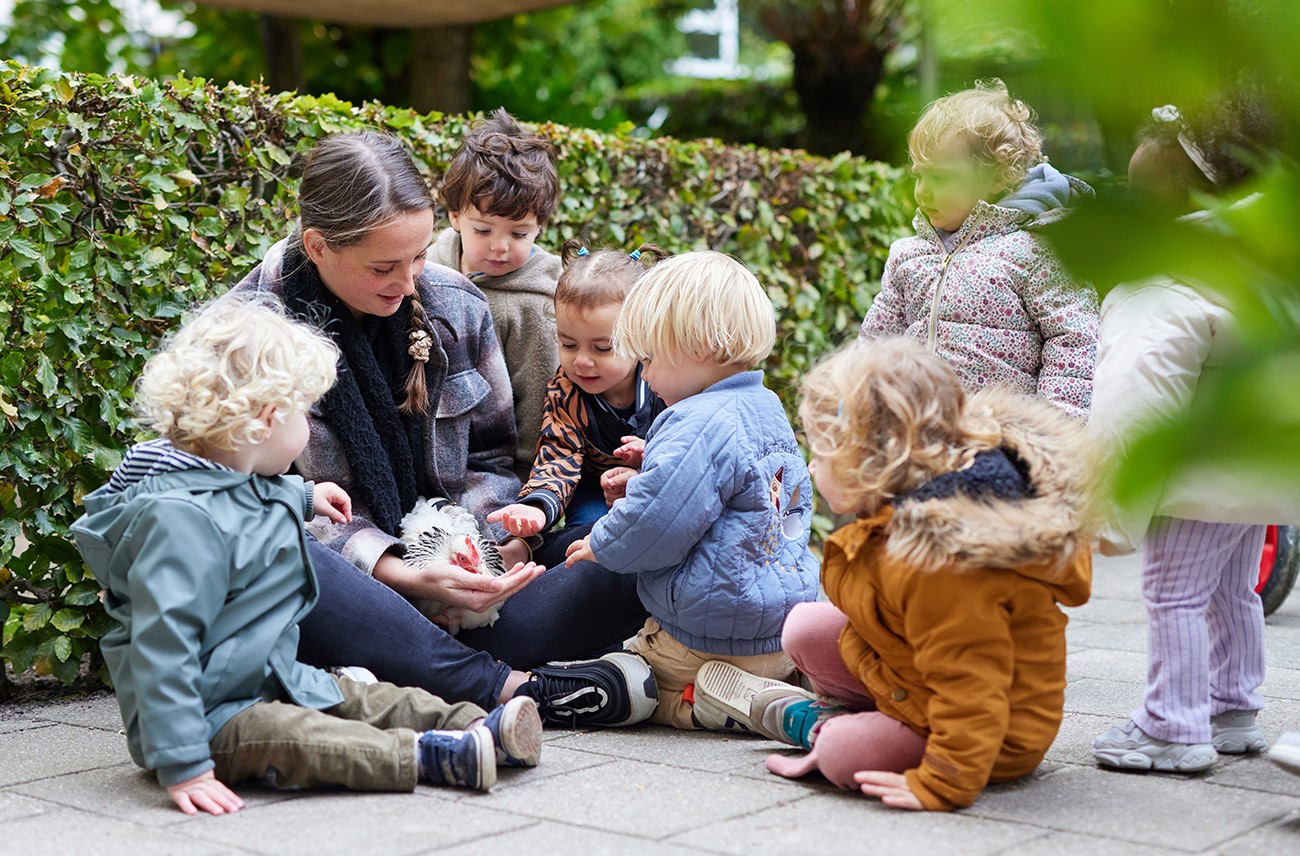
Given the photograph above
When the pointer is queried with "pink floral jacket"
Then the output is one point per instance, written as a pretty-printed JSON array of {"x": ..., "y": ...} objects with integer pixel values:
[{"x": 999, "y": 307}]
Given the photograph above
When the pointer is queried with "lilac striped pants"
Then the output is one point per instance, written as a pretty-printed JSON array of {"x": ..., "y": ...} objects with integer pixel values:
[{"x": 1205, "y": 630}]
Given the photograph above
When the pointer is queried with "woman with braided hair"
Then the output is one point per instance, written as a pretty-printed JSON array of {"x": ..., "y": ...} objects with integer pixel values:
[{"x": 423, "y": 408}]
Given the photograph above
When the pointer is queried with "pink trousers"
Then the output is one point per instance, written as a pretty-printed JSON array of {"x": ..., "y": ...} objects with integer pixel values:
[{"x": 863, "y": 739}]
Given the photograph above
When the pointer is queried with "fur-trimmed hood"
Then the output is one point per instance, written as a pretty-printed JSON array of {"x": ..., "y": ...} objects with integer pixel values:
[{"x": 1037, "y": 536}]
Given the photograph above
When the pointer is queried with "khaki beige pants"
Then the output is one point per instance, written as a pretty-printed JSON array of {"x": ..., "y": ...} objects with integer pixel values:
[
  {"x": 365, "y": 743},
  {"x": 674, "y": 666}
]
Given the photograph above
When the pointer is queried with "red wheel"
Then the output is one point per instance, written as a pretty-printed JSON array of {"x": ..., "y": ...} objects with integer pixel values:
[
  {"x": 1267, "y": 559},
  {"x": 1279, "y": 566}
]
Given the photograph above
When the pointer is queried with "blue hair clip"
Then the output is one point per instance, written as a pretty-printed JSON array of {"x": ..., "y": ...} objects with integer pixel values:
[
  {"x": 582, "y": 251},
  {"x": 635, "y": 255}
]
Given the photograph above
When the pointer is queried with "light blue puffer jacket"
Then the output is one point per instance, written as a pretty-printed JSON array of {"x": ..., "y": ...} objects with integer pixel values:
[{"x": 717, "y": 522}]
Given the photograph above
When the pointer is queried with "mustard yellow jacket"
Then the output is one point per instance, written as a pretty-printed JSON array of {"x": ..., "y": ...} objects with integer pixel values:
[{"x": 952, "y": 602}]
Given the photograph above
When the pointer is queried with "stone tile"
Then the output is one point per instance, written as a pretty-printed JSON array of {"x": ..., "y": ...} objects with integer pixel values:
[
  {"x": 846, "y": 822},
  {"x": 59, "y": 749},
  {"x": 1273, "y": 839},
  {"x": 126, "y": 792},
  {"x": 1117, "y": 577},
  {"x": 1113, "y": 637},
  {"x": 639, "y": 798},
  {"x": 557, "y": 760},
  {"x": 1102, "y": 698},
  {"x": 1255, "y": 773},
  {"x": 1152, "y": 809},
  {"x": 1277, "y": 717},
  {"x": 1110, "y": 611},
  {"x": 342, "y": 822},
  {"x": 1069, "y": 844},
  {"x": 1282, "y": 638},
  {"x": 96, "y": 711},
  {"x": 558, "y": 837},
  {"x": 14, "y": 806},
  {"x": 1106, "y": 665},
  {"x": 70, "y": 831},
  {"x": 10, "y": 726},
  {"x": 1282, "y": 683},
  {"x": 695, "y": 750},
  {"x": 1073, "y": 744}
]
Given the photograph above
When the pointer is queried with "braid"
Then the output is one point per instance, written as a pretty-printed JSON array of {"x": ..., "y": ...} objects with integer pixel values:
[{"x": 417, "y": 390}]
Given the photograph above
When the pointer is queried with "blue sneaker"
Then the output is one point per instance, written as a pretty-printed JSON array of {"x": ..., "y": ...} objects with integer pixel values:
[
  {"x": 516, "y": 732},
  {"x": 787, "y": 714},
  {"x": 616, "y": 689},
  {"x": 463, "y": 759}
]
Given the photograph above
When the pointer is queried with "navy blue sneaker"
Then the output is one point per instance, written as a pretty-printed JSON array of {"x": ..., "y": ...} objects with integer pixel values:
[
  {"x": 517, "y": 732},
  {"x": 616, "y": 689},
  {"x": 463, "y": 759}
]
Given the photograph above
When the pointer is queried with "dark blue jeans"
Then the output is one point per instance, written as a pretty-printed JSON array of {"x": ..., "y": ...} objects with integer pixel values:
[
  {"x": 587, "y": 505},
  {"x": 359, "y": 621},
  {"x": 565, "y": 614}
]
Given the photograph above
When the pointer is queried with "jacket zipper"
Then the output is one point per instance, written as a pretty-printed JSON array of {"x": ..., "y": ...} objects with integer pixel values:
[{"x": 933, "y": 331}]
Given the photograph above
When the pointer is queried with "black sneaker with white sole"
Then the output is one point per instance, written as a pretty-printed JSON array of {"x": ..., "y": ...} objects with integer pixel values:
[{"x": 616, "y": 689}]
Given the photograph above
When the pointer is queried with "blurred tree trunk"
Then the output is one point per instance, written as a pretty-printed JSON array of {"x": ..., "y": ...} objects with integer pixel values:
[
  {"x": 839, "y": 49},
  {"x": 283, "y": 52},
  {"x": 439, "y": 70}
]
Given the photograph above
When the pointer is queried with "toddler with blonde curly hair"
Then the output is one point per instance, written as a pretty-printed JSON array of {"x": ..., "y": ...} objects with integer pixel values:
[
  {"x": 978, "y": 283},
  {"x": 198, "y": 541},
  {"x": 939, "y": 663}
]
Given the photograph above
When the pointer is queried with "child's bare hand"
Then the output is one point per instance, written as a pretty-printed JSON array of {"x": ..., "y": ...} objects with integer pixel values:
[
  {"x": 513, "y": 551},
  {"x": 631, "y": 451},
  {"x": 579, "y": 551},
  {"x": 521, "y": 520},
  {"x": 204, "y": 793},
  {"x": 614, "y": 483},
  {"x": 891, "y": 788},
  {"x": 332, "y": 501}
]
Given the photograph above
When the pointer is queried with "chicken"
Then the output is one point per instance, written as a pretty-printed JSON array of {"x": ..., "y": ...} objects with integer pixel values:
[{"x": 439, "y": 532}]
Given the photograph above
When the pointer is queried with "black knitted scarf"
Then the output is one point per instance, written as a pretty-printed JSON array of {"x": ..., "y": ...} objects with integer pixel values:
[
  {"x": 995, "y": 473},
  {"x": 387, "y": 449}
]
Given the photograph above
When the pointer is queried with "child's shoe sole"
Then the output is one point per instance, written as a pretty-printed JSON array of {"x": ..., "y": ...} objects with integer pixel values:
[
  {"x": 723, "y": 694},
  {"x": 517, "y": 732}
]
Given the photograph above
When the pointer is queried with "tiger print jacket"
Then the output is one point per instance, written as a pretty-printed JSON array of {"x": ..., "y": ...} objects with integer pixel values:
[{"x": 580, "y": 432}]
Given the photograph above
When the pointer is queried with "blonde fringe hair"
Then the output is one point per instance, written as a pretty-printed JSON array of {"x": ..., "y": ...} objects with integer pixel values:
[
  {"x": 697, "y": 306},
  {"x": 236, "y": 357},
  {"x": 887, "y": 416},
  {"x": 997, "y": 130}
]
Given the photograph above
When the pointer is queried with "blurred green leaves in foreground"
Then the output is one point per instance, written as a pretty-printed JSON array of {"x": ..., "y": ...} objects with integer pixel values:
[{"x": 1124, "y": 58}]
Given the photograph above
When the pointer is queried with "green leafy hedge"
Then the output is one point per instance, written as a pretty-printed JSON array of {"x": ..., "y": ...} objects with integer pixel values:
[{"x": 124, "y": 201}]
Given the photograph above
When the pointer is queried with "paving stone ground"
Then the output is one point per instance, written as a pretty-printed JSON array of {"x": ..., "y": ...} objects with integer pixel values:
[{"x": 67, "y": 786}]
